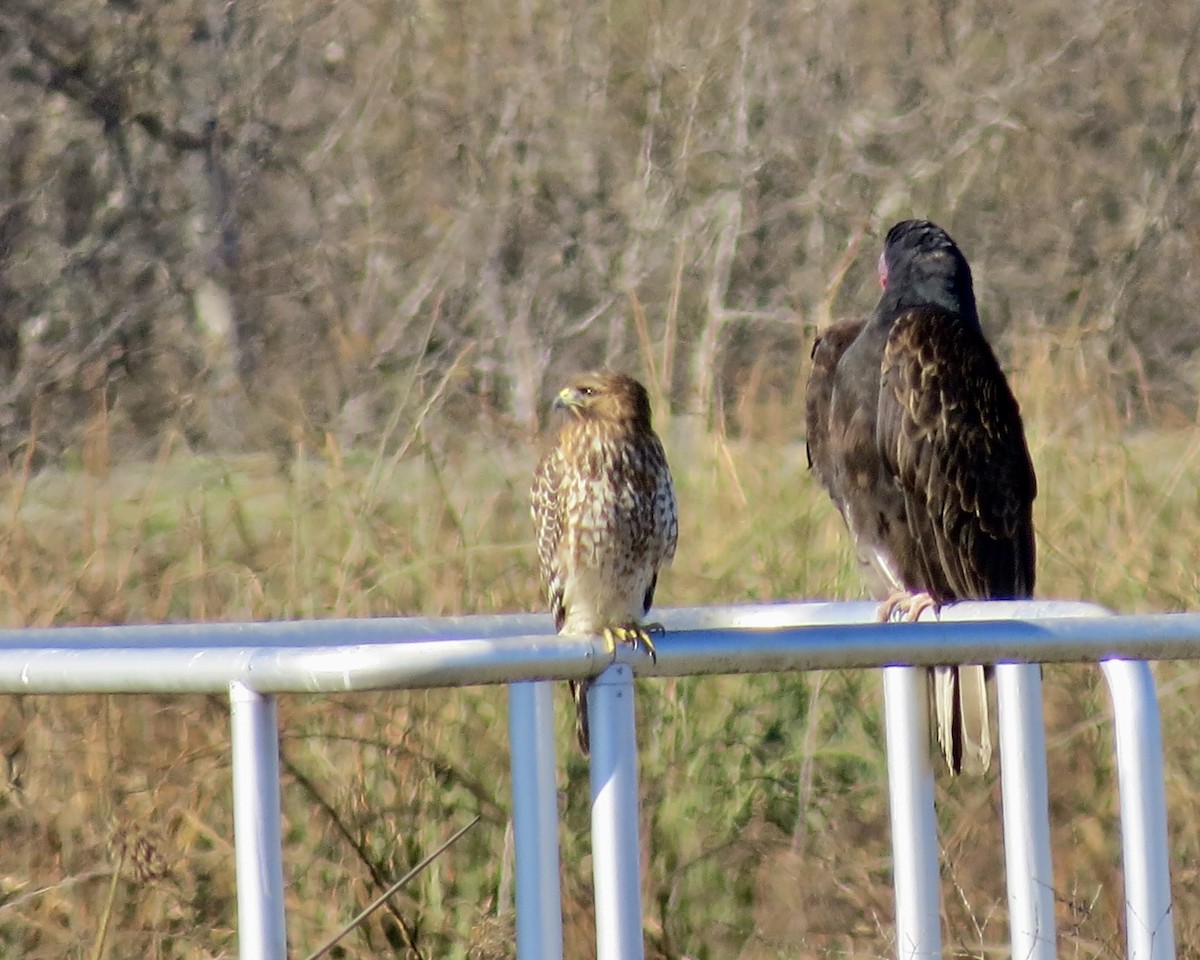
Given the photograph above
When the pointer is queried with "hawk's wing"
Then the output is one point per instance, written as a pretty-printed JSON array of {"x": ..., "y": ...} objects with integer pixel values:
[
  {"x": 547, "y": 509},
  {"x": 950, "y": 430},
  {"x": 666, "y": 513}
]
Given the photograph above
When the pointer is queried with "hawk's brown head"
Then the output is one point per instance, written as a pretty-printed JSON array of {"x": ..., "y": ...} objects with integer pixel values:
[{"x": 605, "y": 395}]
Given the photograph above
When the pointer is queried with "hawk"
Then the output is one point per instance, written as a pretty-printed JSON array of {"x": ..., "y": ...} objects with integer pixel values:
[
  {"x": 604, "y": 509},
  {"x": 914, "y": 433}
]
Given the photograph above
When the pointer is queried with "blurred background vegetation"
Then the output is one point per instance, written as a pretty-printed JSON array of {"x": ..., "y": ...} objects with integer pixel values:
[
  {"x": 256, "y": 222},
  {"x": 284, "y": 287}
]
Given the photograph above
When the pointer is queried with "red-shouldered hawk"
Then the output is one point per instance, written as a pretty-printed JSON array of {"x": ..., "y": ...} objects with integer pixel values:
[
  {"x": 915, "y": 434},
  {"x": 604, "y": 508}
]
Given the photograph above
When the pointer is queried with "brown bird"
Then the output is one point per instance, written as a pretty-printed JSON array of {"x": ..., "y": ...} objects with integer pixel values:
[
  {"x": 916, "y": 436},
  {"x": 604, "y": 509}
]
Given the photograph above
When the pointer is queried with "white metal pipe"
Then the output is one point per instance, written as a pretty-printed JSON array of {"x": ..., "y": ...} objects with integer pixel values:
[
  {"x": 1026, "y": 800},
  {"x": 914, "y": 827},
  {"x": 455, "y": 662},
  {"x": 855, "y": 646},
  {"x": 256, "y": 832},
  {"x": 616, "y": 852},
  {"x": 388, "y": 630},
  {"x": 535, "y": 820},
  {"x": 1149, "y": 924},
  {"x": 293, "y": 634},
  {"x": 330, "y": 669}
]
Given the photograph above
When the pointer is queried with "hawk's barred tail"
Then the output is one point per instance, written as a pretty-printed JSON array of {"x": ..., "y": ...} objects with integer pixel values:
[
  {"x": 960, "y": 707},
  {"x": 579, "y": 695}
]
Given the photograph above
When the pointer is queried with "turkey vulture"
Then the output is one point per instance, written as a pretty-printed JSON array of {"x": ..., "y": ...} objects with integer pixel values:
[{"x": 914, "y": 433}]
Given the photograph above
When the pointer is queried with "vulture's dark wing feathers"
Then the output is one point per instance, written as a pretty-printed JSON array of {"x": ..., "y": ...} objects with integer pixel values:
[
  {"x": 818, "y": 398},
  {"x": 950, "y": 432},
  {"x": 843, "y": 450}
]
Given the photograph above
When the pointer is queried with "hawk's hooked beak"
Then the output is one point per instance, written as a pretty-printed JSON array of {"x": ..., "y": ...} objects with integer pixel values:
[{"x": 568, "y": 399}]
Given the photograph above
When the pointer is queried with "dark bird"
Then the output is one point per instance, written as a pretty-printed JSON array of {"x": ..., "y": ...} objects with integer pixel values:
[
  {"x": 916, "y": 436},
  {"x": 604, "y": 508}
]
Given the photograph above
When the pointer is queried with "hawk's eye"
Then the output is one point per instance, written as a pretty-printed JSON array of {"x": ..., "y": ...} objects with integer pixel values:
[{"x": 587, "y": 391}]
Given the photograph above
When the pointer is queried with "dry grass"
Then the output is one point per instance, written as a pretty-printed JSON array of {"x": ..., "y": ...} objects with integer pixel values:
[{"x": 764, "y": 804}]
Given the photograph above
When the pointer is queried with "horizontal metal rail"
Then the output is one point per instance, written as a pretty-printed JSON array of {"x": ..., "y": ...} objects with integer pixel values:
[{"x": 339, "y": 656}]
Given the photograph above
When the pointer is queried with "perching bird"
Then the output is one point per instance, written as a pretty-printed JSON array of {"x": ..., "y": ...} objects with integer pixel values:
[
  {"x": 915, "y": 434},
  {"x": 604, "y": 508}
]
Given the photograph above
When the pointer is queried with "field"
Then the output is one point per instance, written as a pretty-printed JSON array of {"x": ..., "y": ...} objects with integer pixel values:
[{"x": 763, "y": 798}]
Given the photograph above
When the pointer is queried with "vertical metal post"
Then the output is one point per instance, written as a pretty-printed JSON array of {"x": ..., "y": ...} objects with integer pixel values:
[
  {"x": 914, "y": 828},
  {"x": 535, "y": 820},
  {"x": 1024, "y": 787},
  {"x": 262, "y": 934},
  {"x": 1149, "y": 925},
  {"x": 616, "y": 853}
]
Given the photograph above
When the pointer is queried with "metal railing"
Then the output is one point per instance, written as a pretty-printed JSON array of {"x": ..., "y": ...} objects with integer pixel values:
[{"x": 254, "y": 662}]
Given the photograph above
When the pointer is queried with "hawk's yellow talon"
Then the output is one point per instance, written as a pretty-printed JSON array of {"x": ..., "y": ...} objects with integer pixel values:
[
  {"x": 611, "y": 639},
  {"x": 634, "y": 636},
  {"x": 647, "y": 637}
]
